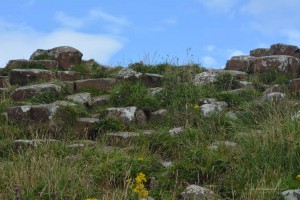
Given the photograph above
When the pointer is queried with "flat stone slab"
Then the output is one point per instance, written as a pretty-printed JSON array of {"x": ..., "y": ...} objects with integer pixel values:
[
  {"x": 82, "y": 98},
  {"x": 26, "y": 76},
  {"x": 68, "y": 75},
  {"x": 35, "y": 114},
  {"x": 125, "y": 114},
  {"x": 23, "y": 93},
  {"x": 97, "y": 84}
]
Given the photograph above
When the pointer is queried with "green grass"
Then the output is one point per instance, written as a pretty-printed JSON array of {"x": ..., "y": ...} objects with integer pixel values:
[{"x": 264, "y": 162}]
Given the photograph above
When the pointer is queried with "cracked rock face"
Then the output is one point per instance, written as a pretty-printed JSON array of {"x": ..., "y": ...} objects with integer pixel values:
[
  {"x": 197, "y": 192},
  {"x": 66, "y": 56}
]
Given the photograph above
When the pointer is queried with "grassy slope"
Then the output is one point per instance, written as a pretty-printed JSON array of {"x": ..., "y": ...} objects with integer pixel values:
[{"x": 263, "y": 164}]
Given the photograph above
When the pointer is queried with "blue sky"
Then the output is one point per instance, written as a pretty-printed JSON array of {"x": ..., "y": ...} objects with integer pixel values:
[{"x": 117, "y": 32}]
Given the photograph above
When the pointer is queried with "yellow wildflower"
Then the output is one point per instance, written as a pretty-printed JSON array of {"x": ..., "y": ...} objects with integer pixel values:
[
  {"x": 141, "y": 158},
  {"x": 91, "y": 199},
  {"x": 298, "y": 176},
  {"x": 196, "y": 106}
]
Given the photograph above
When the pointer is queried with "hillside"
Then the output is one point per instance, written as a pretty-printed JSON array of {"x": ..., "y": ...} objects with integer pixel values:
[{"x": 75, "y": 129}]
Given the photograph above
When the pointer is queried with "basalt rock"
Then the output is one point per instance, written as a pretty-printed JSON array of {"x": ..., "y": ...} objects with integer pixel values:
[
  {"x": 66, "y": 56},
  {"x": 26, "y": 76}
]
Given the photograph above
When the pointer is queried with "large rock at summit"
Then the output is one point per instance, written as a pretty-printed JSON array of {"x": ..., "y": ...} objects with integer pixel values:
[
  {"x": 66, "y": 56},
  {"x": 97, "y": 84},
  {"x": 25, "y": 76},
  {"x": 240, "y": 63},
  {"x": 23, "y": 93},
  {"x": 36, "y": 113},
  {"x": 260, "y": 52},
  {"x": 25, "y": 64},
  {"x": 282, "y": 63},
  {"x": 284, "y": 49}
]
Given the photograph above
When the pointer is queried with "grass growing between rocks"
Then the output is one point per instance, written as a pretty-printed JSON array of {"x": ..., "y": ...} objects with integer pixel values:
[{"x": 263, "y": 163}]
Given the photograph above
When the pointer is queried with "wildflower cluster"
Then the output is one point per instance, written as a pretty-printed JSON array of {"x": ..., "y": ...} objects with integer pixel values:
[
  {"x": 196, "y": 107},
  {"x": 139, "y": 186}
]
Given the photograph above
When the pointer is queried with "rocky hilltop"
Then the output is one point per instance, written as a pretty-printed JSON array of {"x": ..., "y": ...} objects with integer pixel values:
[{"x": 56, "y": 98}]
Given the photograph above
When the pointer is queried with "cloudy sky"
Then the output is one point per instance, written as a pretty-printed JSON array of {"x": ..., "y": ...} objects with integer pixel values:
[{"x": 117, "y": 32}]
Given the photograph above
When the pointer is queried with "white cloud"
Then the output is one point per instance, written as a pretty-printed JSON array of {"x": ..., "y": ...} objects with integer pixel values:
[
  {"x": 272, "y": 15},
  {"x": 210, "y": 48},
  {"x": 170, "y": 21},
  {"x": 208, "y": 61},
  {"x": 20, "y": 41},
  {"x": 222, "y": 6},
  {"x": 112, "y": 23}
]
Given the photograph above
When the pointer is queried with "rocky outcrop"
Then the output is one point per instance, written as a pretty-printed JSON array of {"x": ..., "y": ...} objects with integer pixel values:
[
  {"x": 66, "y": 56},
  {"x": 23, "y": 93},
  {"x": 211, "y": 106},
  {"x": 83, "y": 128},
  {"x": 128, "y": 74},
  {"x": 26, "y": 76},
  {"x": 284, "y": 49},
  {"x": 260, "y": 52},
  {"x": 291, "y": 194},
  {"x": 100, "y": 100},
  {"x": 240, "y": 63},
  {"x": 286, "y": 64}
]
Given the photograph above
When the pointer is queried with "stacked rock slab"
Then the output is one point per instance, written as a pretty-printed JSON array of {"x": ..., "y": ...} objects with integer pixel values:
[
  {"x": 66, "y": 56},
  {"x": 279, "y": 57},
  {"x": 22, "y": 63},
  {"x": 26, "y": 76}
]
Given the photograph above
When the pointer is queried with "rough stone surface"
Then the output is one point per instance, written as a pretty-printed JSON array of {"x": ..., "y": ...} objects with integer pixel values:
[
  {"x": 4, "y": 82},
  {"x": 126, "y": 114},
  {"x": 244, "y": 84},
  {"x": 274, "y": 97},
  {"x": 158, "y": 114},
  {"x": 64, "y": 103},
  {"x": 152, "y": 80},
  {"x": 274, "y": 88},
  {"x": 205, "y": 78},
  {"x": 100, "y": 100},
  {"x": 82, "y": 98},
  {"x": 284, "y": 49},
  {"x": 22, "y": 93},
  {"x": 36, "y": 113},
  {"x": 282, "y": 63},
  {"x": 215, "y": 145},
  {"x": 210, "y": 106},
  {"x": 240, "y": 63},
  {"x": 140, "y": 118},
  {"x": 68, "y": 75},
  {"x": 193, "y": 192},
  {"x": 26, "y": 76},
  {"x": 291, "y": 194},
  {"x": 295, "y": 86},
  {"x": 260, "y": 52},
  {"x": 21, "y": 63},
  {"x": 127, "y": 73},
  {"x": 97, "y": 84},
  {"x": 83, "y": 128},
  {"x": 69, "y": 87},
  {"x": 66, "y": 56},
  {"x": 236, "y": 74},
  {"x": 176, "y": 131},
  {"x": 154, "y": 91}
]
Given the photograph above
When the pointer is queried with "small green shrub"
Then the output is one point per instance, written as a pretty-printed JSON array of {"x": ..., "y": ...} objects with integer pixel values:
[
  {"x": 225, "y": 81},
  {"x": 133, "y": 94},
  {"x": 108, "y": 124},
  {"x": 270, "y": 77},
  {"x": 45, "y": 97}
]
